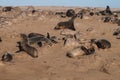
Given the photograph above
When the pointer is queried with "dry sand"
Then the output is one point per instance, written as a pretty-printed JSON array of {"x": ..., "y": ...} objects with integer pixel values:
[{"x": 52, "y": 63}]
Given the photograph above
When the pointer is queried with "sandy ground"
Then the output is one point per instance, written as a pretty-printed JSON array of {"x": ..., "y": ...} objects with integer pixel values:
[{"x": 52, "y": 63}]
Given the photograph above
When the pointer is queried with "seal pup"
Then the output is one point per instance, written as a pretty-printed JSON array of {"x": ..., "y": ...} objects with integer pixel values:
[
  {"x": 67, "y": 24},
  {"x": 101, "y": 43},
  {"x": 23, "y": 46},
  {"x": 107, "y": 11},
  {"x": 7, "y": 57},
  {"x": 80, "y": 51},
  {"x": 35, "y": 38}
]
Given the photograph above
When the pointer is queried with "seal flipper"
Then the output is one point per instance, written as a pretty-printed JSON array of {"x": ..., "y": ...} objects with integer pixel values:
[{"x": 20, "y": 47}]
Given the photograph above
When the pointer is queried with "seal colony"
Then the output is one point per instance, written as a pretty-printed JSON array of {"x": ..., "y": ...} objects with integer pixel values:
[
  {"x": 77, "y": 51},
  {"x": 31, "y": 41}
]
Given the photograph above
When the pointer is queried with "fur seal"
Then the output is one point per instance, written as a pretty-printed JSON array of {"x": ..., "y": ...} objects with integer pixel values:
[
  {"x": 35, "y": 38},
  {"x": 107, "y": 11},
  {"x": 24, "y": 46},
  {"x": 102, "y": 43},
  {"x": 80, "y": 51},
  {"x": 67, "y": 24}
]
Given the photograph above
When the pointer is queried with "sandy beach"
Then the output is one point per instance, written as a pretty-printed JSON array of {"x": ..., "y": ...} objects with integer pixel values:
[{"x": 52, "y": 62}]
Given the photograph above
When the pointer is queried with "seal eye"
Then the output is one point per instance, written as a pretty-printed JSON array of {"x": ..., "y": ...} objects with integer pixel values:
[{"x": 7, "y": 57}]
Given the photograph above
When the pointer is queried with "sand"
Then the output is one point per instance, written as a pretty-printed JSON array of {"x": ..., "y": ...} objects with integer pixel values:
[{"x": 52, "y": 63}]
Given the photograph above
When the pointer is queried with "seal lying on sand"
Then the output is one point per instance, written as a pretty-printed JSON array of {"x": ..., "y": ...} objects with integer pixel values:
[
  {"x": 34, "y": 38},
  {"x": 67, "y": 24},
  {"x": 102, "y": 43},
  {"x": 23, "y": 46},
  {"x": 39, "y": 39},
  {"x": 79, "y": 51},
  {"x": 7, "y": 57}
]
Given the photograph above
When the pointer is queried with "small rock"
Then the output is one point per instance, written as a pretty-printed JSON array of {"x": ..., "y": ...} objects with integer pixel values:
[{"x": 7, "y": 57}]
